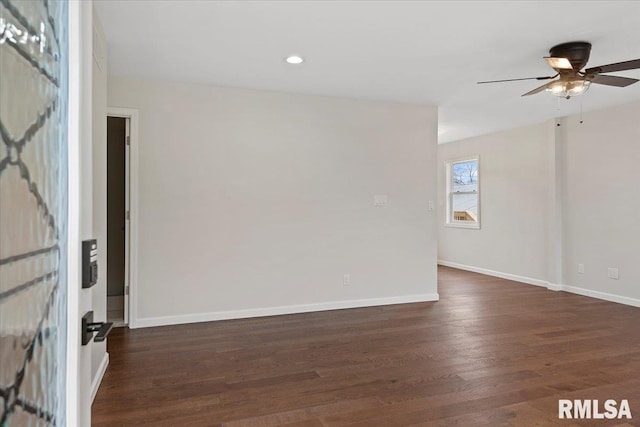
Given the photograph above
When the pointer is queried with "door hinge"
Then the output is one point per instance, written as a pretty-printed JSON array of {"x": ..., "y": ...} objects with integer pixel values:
[
  {"x": 127, "y": 215},
  {"x": 126, "y": 290},
  {"x": 128, "y": 140}
]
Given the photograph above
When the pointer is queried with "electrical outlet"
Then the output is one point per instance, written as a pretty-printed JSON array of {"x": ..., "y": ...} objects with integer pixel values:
[
  {"x": 431, "y": 205},
  {"x": 346, "y": 280},
  {"x": 581, "y": 268},
  {"x": 612, "y": 273}
]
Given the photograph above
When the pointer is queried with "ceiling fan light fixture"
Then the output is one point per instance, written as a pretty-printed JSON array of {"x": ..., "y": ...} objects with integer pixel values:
[
  {"x": 559, "y": 63},
  {"x": 578, "y": 87},
  {"x": 569, "y": 88}
]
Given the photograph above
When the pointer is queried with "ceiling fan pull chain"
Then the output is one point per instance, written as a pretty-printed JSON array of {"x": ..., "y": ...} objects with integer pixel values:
[{"x": 581, "y": 98}]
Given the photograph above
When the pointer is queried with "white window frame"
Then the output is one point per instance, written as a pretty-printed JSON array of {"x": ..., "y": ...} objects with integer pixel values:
[{"x": 450, "y": 221}]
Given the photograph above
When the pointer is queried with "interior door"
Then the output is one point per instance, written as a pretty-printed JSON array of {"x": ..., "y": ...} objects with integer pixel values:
[{"x": 127, "y": 213}]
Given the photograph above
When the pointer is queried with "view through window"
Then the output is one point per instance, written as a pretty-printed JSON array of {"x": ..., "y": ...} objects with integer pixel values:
[{"x": 463, "y": 179}]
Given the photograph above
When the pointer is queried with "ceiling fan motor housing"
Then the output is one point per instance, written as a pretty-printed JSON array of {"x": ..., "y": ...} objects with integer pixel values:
[{"x": 576, "y": 52}]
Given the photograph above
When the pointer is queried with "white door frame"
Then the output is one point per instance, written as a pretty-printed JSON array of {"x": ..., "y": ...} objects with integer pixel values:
[
  {"x": 131, "y": 204},
  {"x": 76, "y": 57}
]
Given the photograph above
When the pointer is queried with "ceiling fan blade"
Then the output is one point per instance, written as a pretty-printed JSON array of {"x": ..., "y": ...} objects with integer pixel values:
[
  {"x": 618, "y": 66},
  {"x": 603, "y": 79},
  {"x": 515, "y": 80},
  {"x": 558, "y": 63},
  {"x": 538, "y": 89}
]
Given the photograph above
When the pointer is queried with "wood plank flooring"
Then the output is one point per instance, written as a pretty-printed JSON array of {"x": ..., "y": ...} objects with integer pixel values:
[{"x": 491, "y": 352}]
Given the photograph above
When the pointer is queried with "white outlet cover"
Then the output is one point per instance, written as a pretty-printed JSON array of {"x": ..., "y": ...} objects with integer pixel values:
[
  {"x": 581, "y": 268},
  {"x": 612, "y": 273}
]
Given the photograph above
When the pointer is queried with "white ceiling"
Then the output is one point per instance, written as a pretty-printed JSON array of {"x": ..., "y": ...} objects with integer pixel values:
[{"x": 416, "y": 52}]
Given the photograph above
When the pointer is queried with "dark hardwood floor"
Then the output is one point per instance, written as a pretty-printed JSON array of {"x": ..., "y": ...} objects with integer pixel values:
[{"x": 491, "y": 352}]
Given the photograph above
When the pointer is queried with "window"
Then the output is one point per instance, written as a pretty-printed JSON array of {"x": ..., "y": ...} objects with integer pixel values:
[{"x": 463, "y": 193}]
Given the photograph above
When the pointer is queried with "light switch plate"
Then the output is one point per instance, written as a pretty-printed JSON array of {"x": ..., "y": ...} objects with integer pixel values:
[
  {"x": 431, "y": 205},
  {"x": 581, "y": 268},
  {"x": 380, "y": 200}
]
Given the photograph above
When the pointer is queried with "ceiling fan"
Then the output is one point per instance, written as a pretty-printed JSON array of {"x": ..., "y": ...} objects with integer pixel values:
[{"x": 567, "y": 59}]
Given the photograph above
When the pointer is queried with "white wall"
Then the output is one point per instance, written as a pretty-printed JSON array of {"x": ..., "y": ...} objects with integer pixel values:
[
  {"x": 99, "y": 188},
  {"x": 554, "y": 195},
  {"x": 601, "y": 203},
  {"x": 256, "y": 202},
  {"x": 515, "y": 175}
]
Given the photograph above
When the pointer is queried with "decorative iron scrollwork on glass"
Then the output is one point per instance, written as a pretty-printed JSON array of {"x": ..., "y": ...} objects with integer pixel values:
[{"x": 33, "y": 212}]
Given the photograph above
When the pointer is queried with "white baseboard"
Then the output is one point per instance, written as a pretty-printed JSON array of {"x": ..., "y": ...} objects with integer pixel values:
[
  {"x": 555, "y": 287},
  {"x": 551, "y": 286},
  {"x": 115, "y": 303},
  {"x": 508, "y": 276},
  {"x": 275, "y": 311},
  {"x": 601, "y": 295},
  {"x": 95, "y": 383}
]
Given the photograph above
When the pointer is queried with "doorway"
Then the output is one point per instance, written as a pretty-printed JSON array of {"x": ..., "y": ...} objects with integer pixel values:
[{"x": 118, "y": 140}]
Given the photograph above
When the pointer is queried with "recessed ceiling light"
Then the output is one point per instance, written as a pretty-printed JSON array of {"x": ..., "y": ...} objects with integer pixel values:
[{"x": 294, "y": 59}]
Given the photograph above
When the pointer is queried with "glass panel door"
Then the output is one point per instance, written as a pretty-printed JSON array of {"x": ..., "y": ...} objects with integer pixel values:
[{"x": 33, "y": 212}]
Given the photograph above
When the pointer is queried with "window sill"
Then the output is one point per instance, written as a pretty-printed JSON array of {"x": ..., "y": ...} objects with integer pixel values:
[{"x": 459, "y": 225}]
